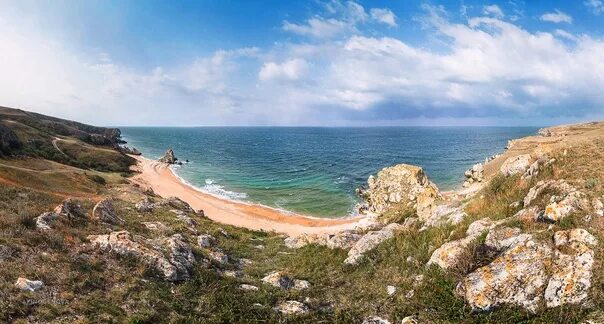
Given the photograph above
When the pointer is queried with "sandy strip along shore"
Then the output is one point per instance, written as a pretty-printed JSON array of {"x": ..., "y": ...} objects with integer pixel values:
[{"x": 165, "y": 183}]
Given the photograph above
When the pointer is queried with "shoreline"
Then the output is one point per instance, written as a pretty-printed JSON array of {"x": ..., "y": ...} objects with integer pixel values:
[{"x": 164, "y": 182}]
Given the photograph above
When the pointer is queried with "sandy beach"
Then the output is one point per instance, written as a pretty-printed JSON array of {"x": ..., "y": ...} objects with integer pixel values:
[{"x": 159, "y": 177}]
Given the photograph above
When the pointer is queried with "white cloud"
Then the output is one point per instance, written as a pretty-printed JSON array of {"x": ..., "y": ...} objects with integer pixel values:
[
  {"x": 493, "y": 10},
  {"x": 595, "y": 6},
  {"x": 318, "y": 27},
  {"x": 385, "y": 16},
  {"x": 292, "y": 69},
  {"x": 345, "y": 17},
  {"x": 557, "y": 17}
]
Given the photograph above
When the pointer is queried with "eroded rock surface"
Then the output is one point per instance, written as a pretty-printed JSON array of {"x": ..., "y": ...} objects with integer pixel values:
[
  {"x": 45, "y": 220},
  {"x": 572, "y": 267},
  {"x": 71, "y": 209},
  {"x": 172, "y": 257},
  {"x": 516, "y": 277},
  {"x": 105, "y": 212},
  {"x": 516, "y": 164},
  {"x": 169, "y": 157},
  {"x": 400, "y": 184},
  {"x": 370, "y": 241},
  {"x": 291, "y": 307}
]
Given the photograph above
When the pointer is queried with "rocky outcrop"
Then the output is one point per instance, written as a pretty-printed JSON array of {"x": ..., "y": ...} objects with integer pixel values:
[
  {"x": 71, "y": 209},
  {"x": 517, "y": 277},
  {"x": 559, "y": 187},
  {"x": 370, "y": 241},
  {"x": 572, "y": 267},
  {"x": 105, "y": 212},
  {"x": 557, "y": 210},
  {"x": 291, "y": 307},
  {"x": 281, "y": 280},
  {"x": 533, "y": 169},
  {"x": 45, "y": 220},
  {"x": 401, "y": 184},
  {"x": 474, "y": 174},
  {"x": 452, "y": 254},
  {"x": 516, "y": 164},
  {"x": 205, "y": 241},
  {"x": 171, "y": 257},
  {"x": 529, "y": 272},
  {"x": 341, "y": 240},
  {"x": 146, "y": 205},
  {"x": 169, "y": 157},
  {"x": 28, "y": 285}
]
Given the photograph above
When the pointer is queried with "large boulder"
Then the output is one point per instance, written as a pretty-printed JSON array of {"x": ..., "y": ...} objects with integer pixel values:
[
  {"x": 528, "y": 272},
  {"x": 401, "y": 184},
  {"x": 516, "y": 164},
  {"x": 572, "y": 267},
  {"x": 105, "y": 212},
  {"x": 370, "y": 241},
  {"x": 517, "y": 277},
  {"x": 169, "y": 157},
  {"x": 171, "y": 257}
]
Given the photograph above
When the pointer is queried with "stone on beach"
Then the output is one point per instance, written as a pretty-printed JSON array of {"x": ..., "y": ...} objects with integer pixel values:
[{"x": 169, "y": 157}]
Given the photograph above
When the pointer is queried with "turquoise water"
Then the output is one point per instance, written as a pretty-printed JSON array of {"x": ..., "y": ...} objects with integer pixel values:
[{"x": 315, "y": 171}]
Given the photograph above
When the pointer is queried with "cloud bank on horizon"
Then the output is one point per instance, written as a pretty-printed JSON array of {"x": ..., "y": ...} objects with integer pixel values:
[{"x": 328, "y": 63}]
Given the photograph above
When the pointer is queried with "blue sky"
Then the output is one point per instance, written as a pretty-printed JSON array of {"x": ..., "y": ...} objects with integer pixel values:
[{"x": 327, "y": 63}]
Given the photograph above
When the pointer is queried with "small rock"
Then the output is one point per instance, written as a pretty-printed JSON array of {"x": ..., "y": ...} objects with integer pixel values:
[
  {"x": 375, "y": 320},
  {"x": 259, "y": 247},
  {"x": 71, "y": 209},
  {"x": 219, "y": 257},
  {"x": 105, "y": 212},
  {"x": 409, "y": 320},
  {"x": 156, "y": 226},
  {"x": 145, "y": 205},
  {"x": 279, "y": 280},
  {"x": 291, "y": 307},
  {"x": 390, "y": 290},
  {"x": 28, "y": 285},
  {"x": 410, "y": 294},
  {"x": 205, "y": 241},
  {"x": 44, "y": 221},
  {"x": 248, "y": 287}
]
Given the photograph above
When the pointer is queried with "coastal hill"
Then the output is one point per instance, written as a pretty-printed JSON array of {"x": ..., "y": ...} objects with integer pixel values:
[{"x": 85, "y": 238}]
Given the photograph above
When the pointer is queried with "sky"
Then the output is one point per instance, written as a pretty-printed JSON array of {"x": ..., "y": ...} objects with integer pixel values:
[{"x": 305, "y": 63}]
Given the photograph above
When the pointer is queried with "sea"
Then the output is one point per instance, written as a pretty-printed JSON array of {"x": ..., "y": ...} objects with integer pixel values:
[{"x": 314, "y": 170}]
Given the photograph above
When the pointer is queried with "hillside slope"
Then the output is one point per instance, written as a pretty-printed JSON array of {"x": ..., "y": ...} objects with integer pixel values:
[{"x": 523, "y": 244}]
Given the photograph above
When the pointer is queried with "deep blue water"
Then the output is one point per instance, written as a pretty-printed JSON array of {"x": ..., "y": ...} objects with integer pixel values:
[{"x": 315, "y": 171}]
